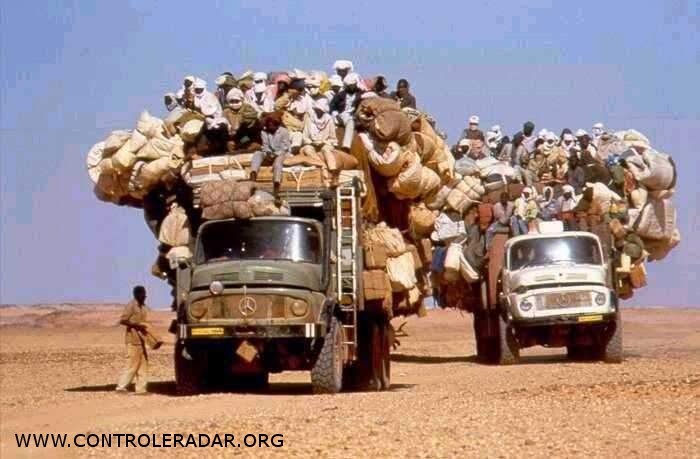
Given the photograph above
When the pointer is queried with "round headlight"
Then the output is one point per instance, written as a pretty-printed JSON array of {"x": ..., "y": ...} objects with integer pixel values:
[
  {"x": 198, "y": 309},
  {"x": 525, "y": 305},
  {"x": 216, "y": 288},
  {"x": 299, "y": 308},
  {"x": 600, "y": 299}
]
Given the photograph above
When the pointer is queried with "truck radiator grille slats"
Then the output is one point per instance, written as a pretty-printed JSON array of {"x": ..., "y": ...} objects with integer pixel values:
[{"x": 564, "y": 300}]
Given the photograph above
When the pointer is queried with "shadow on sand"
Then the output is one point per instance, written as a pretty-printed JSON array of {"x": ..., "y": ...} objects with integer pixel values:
[{"x": 167, "y": 388}]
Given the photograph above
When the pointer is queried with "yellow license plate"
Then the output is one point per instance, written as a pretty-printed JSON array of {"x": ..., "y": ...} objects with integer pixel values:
[
  {"x": 209, "y": 331},
  {"x": 596, "y": 318}
]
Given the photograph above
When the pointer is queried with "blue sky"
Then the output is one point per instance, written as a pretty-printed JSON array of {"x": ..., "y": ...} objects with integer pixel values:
[{"x": 72, "y": 71}]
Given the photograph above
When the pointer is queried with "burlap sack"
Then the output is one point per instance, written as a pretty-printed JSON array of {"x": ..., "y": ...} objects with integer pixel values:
[
  {"x": 390, "y": 238},
  {"x": 406, "y": 185},
  {"x": 115, "y": 141},
  {"x": 175, "y": 229},
  {"x": 656, "y": 221},
  {"x": 421, "y": 220},
  {"x": 212, "y": 193},
  {"x": 94, "y": 158},
  {"x": 438, "y": 199},
  {"x": 402, "y": 272},
  {"x": 392, "y": 126},
  {"x": 191, "y": 130},
  {"x": 160, "y": 147},
  {"x": 125, "y": 157},
  {"x": 152, "y": 173},
  {"x": 219, "y": 211},
  {"x": 149, "y": 125},
  {"x": 429, "y": 182}
]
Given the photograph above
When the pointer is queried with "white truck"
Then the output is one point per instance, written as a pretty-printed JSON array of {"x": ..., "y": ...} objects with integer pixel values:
[{"x": 551, "y": 289}]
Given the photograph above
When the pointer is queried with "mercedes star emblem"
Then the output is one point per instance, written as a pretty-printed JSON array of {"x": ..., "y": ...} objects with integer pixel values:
[{"x": 247, "y": 306}]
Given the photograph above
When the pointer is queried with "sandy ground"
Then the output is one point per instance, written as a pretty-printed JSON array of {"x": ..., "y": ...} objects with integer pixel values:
[{"x": 58, "y": 366}]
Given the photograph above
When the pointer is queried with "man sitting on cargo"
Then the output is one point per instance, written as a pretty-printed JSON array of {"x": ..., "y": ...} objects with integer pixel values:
[
  {"x": 472, "y": 131},
  {"x": 319, "y": 138},
  {"x": 336, "y": 85},
  {"x": 259, "y": 96},
  {"x": 185, "y": 95},
  {"x": 276, "y": 145},
  {"x": 461, "y": 149},
  {"x": 224, "y": 83},
  {"x": 243, "y": 125},
  {"x": 313, "y": 88},
  {"x": 478, "y": 150},
  {"x": 525, "y": 210},
  {"x": 344, "y": 105},
  {"x": 295, "y": 105},
  {"x": 403, "y": 94},
  {"x": 381, "y": 86},
  {"x": 502, "y": 214}
]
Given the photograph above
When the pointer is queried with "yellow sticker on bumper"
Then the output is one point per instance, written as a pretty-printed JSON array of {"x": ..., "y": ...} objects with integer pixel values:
[
  {"x": 209, "y": 331},
  {"x": 596, "y": 318}
]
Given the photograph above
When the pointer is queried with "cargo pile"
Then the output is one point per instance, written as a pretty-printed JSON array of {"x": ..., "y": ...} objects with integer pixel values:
[{"x": 429, "y": 210}]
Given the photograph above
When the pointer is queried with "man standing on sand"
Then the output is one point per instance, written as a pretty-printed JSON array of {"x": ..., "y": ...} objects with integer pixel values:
[{"x": 135, "y": 319}]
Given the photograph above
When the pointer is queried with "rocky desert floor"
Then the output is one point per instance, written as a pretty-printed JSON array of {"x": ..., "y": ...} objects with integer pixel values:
[{"x": 59, "y": 365}]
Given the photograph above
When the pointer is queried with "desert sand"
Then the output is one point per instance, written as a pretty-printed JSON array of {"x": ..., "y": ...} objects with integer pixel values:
[{"x": 59, "y": 365}]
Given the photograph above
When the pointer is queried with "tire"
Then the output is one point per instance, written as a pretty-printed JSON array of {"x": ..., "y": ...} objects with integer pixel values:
[
  {"x": 486, "y": 346},
  {"x": 508, "y": 350},
  {"x": 327, "y": 372},
  {"x": 188, "y": 374},
  {"x": 611, "y": 349},
  {"x": 387, "y": 340},
  {"x": 480, "y": 344},
  {"x": 484, "y": 294}
]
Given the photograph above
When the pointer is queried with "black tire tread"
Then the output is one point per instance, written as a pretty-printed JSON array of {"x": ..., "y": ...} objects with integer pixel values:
[
  {"x": 323, "y": 377},
  {"x": 187, "y": 376}
]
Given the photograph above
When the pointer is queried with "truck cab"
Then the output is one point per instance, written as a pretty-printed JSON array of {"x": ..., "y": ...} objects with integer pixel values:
[
  {"x": 553, "y": 290},
  {"x": 277, "y": 293}
]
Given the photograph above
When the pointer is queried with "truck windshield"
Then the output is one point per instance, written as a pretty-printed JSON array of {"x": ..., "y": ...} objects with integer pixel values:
[
  {"x": 546, "y": 251},
  {"x": 259, "y": 240}
]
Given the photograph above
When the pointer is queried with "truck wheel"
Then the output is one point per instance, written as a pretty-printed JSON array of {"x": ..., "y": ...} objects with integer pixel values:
[
  {"x": 327, "y": 373},
  {"x": 486, "y": 346},
  {"x": 610, "y": 349},
  {"x": 188, "y": 374},
  {"x": 387, "y": 340},
  {"x": 380, "y": 350},
  {"x": 509, "y": 352}
]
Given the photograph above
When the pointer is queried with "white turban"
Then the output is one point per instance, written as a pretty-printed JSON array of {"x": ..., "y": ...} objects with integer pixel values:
[
  {"x": 335, "y": 80},
  {"x": 342, "y": 65},
  {"x": 322, "y": 104},
  {"x": 234, "y": 94},
  {"x": 350, "y": 79}
]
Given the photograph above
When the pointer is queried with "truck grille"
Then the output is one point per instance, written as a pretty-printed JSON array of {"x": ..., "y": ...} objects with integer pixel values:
[
  {"x": 248, "y": 307},
  {"x": 564, "y": 300}
]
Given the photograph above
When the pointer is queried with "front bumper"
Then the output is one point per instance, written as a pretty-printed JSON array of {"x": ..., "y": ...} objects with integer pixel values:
[
  {"x": 565, "y": 319},
  {"x": 217, "y": 331},
  {"x": 537, "y": 311}
]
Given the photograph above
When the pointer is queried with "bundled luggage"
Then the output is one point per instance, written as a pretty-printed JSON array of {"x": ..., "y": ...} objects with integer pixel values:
[{"x": 424, "y": 210}]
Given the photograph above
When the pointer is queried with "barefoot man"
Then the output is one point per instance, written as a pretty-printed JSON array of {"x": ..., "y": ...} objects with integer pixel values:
[{"x": 135, "y": 319}]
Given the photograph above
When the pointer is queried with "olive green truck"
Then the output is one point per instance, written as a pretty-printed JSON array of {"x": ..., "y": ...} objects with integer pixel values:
[{"x": 281, "y": 293}]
